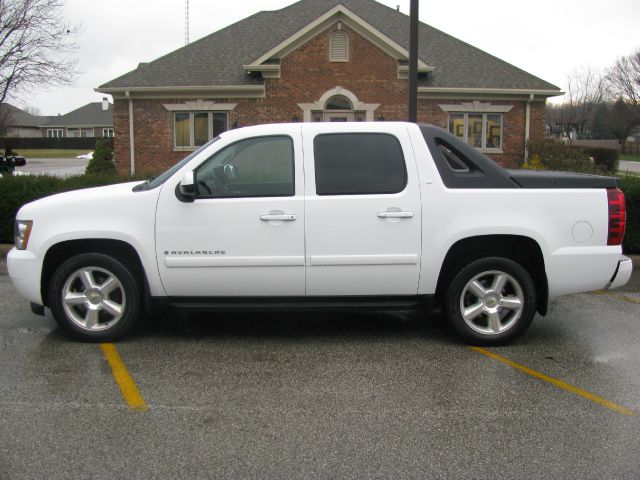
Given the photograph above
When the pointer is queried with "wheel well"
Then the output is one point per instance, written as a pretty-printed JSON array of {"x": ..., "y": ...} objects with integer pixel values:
[
  {"x": 60, "y": 252},
  {"x": 522, "y": 250}
]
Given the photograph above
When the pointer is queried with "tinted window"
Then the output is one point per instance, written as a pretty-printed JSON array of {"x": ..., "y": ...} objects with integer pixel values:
[
  {"x": 358, "y": 163},
  {"x": 256, "y": 167}
]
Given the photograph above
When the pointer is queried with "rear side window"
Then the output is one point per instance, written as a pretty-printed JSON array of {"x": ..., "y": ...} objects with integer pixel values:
[{"x": 358, "y": 163}]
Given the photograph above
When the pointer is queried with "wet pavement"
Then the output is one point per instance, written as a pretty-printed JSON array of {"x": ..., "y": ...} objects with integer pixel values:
[
  {"x": 295, "y": 395},
  {"x": 61, "y": 167}
]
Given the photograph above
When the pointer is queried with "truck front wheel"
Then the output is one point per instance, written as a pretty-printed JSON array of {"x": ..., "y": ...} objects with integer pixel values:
[
  {"x": 491, "y": 301},
  {"x": 94, "y": 297}
]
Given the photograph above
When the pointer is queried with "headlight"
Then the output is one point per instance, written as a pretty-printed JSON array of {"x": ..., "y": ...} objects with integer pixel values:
[{"x": 22, "y": 232}]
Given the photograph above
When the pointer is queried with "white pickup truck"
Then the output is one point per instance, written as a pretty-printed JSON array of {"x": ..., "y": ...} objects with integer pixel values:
[{"x": 324, "y": 215}]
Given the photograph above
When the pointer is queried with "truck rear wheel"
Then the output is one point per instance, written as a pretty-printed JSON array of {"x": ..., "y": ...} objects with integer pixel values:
[
  {"x": 491, "y": 301},
  {"x": 94, "y": 297}
]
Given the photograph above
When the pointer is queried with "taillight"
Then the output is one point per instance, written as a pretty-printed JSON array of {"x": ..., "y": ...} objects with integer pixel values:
[{"x": 617, "y": 216}]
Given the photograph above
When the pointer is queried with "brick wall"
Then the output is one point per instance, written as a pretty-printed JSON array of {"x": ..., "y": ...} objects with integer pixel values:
[{"x": 306, "y": 74}]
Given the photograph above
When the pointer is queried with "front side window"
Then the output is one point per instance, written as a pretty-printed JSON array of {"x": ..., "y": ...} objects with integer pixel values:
[
  {"x": 480, "y": 130},
  {"x": 193, "y": 129},
  {"x": 358, "y": 164},
  {"x": 256, "y": 167},
  {"x": 107, "y": 132}
]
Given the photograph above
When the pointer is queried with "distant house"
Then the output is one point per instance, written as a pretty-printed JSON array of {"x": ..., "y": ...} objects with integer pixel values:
[
  {"x": 322, "y": 60},
  {"x": 16, "y": 123},
  {"x": 91, "y": 120}
]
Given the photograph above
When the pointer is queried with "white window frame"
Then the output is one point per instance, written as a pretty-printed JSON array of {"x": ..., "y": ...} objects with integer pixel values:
[
  {"x": 55, "y": 132},
  {"x": 483, "y": 147},
  {"x": 107, "y": 132},
  {"x": 191, "y": 146}
]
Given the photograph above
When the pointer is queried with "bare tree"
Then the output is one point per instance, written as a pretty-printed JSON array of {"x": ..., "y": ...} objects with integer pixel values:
[
  {"x": 624, "y": 77},
  {"x": 32, "y": 110},
  {"x": 586, "y": 89},
  {"x": 36, "y": 46}
]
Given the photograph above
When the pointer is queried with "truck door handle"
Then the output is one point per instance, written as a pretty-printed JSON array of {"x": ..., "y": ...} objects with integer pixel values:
[
  {"x": 395, "y": 214},
  {"x": 278, "y": 217}
]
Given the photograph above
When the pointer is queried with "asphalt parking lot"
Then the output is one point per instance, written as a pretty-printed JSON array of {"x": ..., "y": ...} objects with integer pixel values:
[{"x": 323, "y": 396}]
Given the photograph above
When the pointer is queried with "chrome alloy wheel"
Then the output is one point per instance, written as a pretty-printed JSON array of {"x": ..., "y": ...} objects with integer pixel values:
[
  {"x": 491, "y": 302},
  {"x": 93, "y": 298}
]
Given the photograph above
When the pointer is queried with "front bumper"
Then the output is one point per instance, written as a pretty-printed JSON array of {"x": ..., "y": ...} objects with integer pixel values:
[
  {"x": 25, "y": 270},
  {"x": 622, "y": 273}
]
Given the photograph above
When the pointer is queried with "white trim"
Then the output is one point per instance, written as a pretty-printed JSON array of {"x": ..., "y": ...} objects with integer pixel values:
[
  {"x": 199, "y": 105},
  {"x": 477, "y": 107},
  {"x": 322, "y": 22},
  {"x": 211, "y": 91},
  {"x": 369, "y": 108},
  {"x": 499, "y": 91}
]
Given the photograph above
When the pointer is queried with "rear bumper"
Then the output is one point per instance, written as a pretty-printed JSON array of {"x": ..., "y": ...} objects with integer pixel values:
[{"x": 622, "y": 274}]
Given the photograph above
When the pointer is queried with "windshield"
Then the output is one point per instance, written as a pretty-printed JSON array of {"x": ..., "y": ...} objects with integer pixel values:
[{"x": 164, "y": 176}]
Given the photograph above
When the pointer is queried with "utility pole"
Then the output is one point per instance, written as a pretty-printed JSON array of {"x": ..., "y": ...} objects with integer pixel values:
[
  {"x": 413, "y": 62},
  {"x": 186, "y": 22}
]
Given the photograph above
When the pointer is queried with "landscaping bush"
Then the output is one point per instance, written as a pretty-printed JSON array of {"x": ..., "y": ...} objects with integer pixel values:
[
  {"x": 16, "y": 191},
  {"x": 102, "y": 161},
  {"x": 630, "y": 185},
  {"x": 555, "y": 155},
  {"x": 605, "y": 158}
]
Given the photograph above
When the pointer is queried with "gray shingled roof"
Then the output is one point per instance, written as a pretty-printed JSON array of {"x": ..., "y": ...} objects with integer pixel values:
[
  {"x": 89, "y": 115},
  {"x": 11, "y": 116},
  {"x": 218, "y": 59}
]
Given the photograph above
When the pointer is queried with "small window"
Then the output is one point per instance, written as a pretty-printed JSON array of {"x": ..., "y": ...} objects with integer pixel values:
[
  {"x": 453, "y": 158},
  {"x": 338, "y": 102},
  {"x": 107, "y": 132},
  {"x": 256, "y": 167},
  {"x": 193, "y": 129},
  {"x": 358, "y": 163},
  {"x": 480, "y": 130},
  {"x": 55, "y": 133},
  {"x": 339, "y": 47}
]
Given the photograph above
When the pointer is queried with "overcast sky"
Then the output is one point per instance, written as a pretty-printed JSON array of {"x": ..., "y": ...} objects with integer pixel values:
[{"x": 547, "y": 38}]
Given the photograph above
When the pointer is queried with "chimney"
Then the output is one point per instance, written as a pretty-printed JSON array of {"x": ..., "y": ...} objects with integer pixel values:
[
  {"x": 105, "y": 103},
  {"x": 397, "y": 8}
]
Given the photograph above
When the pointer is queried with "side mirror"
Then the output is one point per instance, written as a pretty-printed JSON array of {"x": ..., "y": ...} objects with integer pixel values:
[{"x": 186, "y": 190}]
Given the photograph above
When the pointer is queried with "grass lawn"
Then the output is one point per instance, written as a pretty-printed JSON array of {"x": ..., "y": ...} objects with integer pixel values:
[
  {"x": 49, "y": 153},
  {"x": 630, "y": 157}
]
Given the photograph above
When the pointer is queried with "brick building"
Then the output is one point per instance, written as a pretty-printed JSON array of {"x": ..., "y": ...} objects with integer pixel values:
[{"x": 320, "y": 60}]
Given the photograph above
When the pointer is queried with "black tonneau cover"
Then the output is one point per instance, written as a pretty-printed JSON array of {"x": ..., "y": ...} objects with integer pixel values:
[
  {"x": 482, "y": 172},
  {"x": 538, "y": 179}
]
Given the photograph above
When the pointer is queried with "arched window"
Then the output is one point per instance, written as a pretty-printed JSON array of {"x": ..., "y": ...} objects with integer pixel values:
[
  {"x": 339, "y": 47},
  {"x": 338, "y": 102}
]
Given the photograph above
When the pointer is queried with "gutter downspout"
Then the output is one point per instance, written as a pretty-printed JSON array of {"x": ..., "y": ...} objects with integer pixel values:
[
  {"x": 132, "y": 144},
  {"x": 527, "y": 126}
]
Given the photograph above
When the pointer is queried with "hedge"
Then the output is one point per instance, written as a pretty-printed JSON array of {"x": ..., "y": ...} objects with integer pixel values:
[
  {"x": 16, "y": 191},
  {"x": 65, "y": 143},
  {"x": 630, "y": 185},
  {"x": 605, "y": 158}
]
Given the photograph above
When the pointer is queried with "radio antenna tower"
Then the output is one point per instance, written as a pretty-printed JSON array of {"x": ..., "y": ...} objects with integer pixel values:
[{"x": 186, "y": 22}]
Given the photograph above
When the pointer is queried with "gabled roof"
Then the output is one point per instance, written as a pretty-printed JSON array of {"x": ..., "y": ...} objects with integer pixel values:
[
  {"x": 89, "y": 115},
  {"x": 11, "y": 116},
  {"x": 219, "y": 59}
]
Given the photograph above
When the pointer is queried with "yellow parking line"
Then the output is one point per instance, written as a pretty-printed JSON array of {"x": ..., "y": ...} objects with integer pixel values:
[
  {"x": 123, "y": 379},
  {"x": 558, "y": 383},
  {"x": 619, "y": 296}
]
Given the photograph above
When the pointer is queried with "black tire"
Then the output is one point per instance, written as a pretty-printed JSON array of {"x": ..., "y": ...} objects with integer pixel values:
[
  {"x": 493, "y": 316},
  {"x": 99, "y": 305}
]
